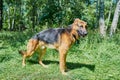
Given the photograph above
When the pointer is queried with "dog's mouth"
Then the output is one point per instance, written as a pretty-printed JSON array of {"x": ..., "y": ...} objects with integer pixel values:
[{"x": 82, "y": 33}]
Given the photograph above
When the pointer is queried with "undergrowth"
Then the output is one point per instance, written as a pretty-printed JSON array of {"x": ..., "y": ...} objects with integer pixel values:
[{"x": 92, "y": 58}]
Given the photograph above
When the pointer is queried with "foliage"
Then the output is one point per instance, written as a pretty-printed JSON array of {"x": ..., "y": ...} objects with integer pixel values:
[
  {"x": 93, "y": 59},
  {"x": 19, "y": 15}
]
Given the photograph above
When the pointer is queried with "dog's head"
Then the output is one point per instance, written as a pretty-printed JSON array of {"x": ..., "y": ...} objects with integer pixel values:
[{"x": 80, "y": 27}]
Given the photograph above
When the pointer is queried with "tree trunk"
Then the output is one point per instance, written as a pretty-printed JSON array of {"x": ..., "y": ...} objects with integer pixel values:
[
  {"x": 33, "y": 14},
  {"x": 109, "y": 15},
  {"x": 9, "y": 19},
  {"x": 97, "y": 14},
  {"x": 13, "y": 20},
  {"x": 1, "y": 11},
  {"x": 101, "y": 19},
  {"x": 33, "y": 17},
  {"x": 115, "y": 19},
  {"x": 12, "y": 27}
]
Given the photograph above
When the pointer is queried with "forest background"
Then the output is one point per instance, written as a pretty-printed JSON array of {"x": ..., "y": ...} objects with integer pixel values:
[{"x": 95, "y": 57}]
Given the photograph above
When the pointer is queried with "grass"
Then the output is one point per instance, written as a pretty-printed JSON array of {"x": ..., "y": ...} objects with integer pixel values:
[{"x": 92, "y": 59}]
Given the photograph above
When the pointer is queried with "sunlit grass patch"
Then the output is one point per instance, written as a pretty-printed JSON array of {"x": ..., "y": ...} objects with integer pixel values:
[{"x": 92, "y": 59}]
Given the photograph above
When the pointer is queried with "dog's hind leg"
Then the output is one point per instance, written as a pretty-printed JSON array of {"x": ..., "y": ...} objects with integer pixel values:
[
  {"x": 42, "y": 51},
  {"x": 31, "y": 47}
]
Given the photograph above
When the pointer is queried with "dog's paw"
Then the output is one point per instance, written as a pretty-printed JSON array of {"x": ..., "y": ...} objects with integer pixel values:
[
  {"x": 42, "y": 64},
  {"x": 23, "y": 65},
  {"x": 45, "y": 66},
  {"x": 64, "y": 73}
]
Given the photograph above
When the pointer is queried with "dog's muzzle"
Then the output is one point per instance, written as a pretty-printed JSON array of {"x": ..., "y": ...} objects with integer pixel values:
[{"x": 82, "y": 33}]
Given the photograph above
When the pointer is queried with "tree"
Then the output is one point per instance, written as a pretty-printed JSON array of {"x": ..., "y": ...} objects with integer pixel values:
[
  {"x": 1, "y": 10},
  {"x": 33, "y": 14},
  {"x": 97, "y": 13},
  {"x": 115, "y": 19},
  {"x": 36, "y": 14},
  {"x": 109, "y": 15},
  {"x": 101, "y": 19}
]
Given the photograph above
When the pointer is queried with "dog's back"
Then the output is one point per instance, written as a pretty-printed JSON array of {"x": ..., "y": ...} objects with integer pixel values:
[{"x": 49, "y": 36}]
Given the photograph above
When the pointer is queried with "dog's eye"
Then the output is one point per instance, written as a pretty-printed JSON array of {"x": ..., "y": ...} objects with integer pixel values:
[
  {"x": 86, "y": 26},
  {"x": 81, "y": 26}
]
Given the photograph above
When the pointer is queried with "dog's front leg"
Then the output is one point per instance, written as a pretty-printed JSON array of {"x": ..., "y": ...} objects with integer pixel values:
[{"x": 63, "y": 54}]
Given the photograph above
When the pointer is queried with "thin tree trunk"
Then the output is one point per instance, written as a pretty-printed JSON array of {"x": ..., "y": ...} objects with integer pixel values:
[
  {"x": 109, "y": 15},
  {"x": 115, "y": 19},
  {"x": 12, "y": 27},
  {"x": 97, "y": 12},
  {"x": 22, "y": 7},
  {"x": 38, "y": 15},
  {"x": 21, "y": 14},
  {"x": 13, "y": 20},
  {"x": 9, "y": 20},
  {"x": 1, "y": 11},
  {"x": 101, "y": 19},
  {"x": 33, "y": 15}
]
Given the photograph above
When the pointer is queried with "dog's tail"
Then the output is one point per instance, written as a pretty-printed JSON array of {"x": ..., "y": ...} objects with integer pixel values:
[{"x": 22, "y": 52}]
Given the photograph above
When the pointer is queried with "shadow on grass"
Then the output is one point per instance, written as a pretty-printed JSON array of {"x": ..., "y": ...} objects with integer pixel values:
[
  {"x": 15, "y": 39},
  {"x": 80, "y": 65},
  {"x": 70, "y": 65},
  {"x": 5, "y": 57},
  {"x": 3, "y": 48}
]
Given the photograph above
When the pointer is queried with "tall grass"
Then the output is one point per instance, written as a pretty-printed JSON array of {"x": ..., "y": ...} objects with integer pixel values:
[{"x": 93, "y": 58}]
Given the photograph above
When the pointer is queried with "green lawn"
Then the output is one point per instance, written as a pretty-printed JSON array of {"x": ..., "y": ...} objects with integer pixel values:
[{"x": 92, "y": 59}]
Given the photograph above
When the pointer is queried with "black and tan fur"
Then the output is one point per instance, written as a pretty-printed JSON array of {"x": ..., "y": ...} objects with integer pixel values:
[{"x": 58, "y": 38}]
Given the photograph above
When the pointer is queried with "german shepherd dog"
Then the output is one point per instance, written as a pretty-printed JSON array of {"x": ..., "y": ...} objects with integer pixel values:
[{"x": 58, "y": 38}]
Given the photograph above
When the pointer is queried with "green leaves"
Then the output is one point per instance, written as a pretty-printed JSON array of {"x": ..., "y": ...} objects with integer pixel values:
[{"x": 36, "y": 13}]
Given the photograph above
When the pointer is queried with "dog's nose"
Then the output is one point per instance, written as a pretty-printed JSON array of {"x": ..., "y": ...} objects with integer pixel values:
[{"x": 85, "y": 33}]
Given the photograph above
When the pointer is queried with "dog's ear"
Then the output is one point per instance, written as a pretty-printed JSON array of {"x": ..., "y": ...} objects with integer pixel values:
[
  {"x": 76, "y": 21},
  {"x": 85, "y": 23}
]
